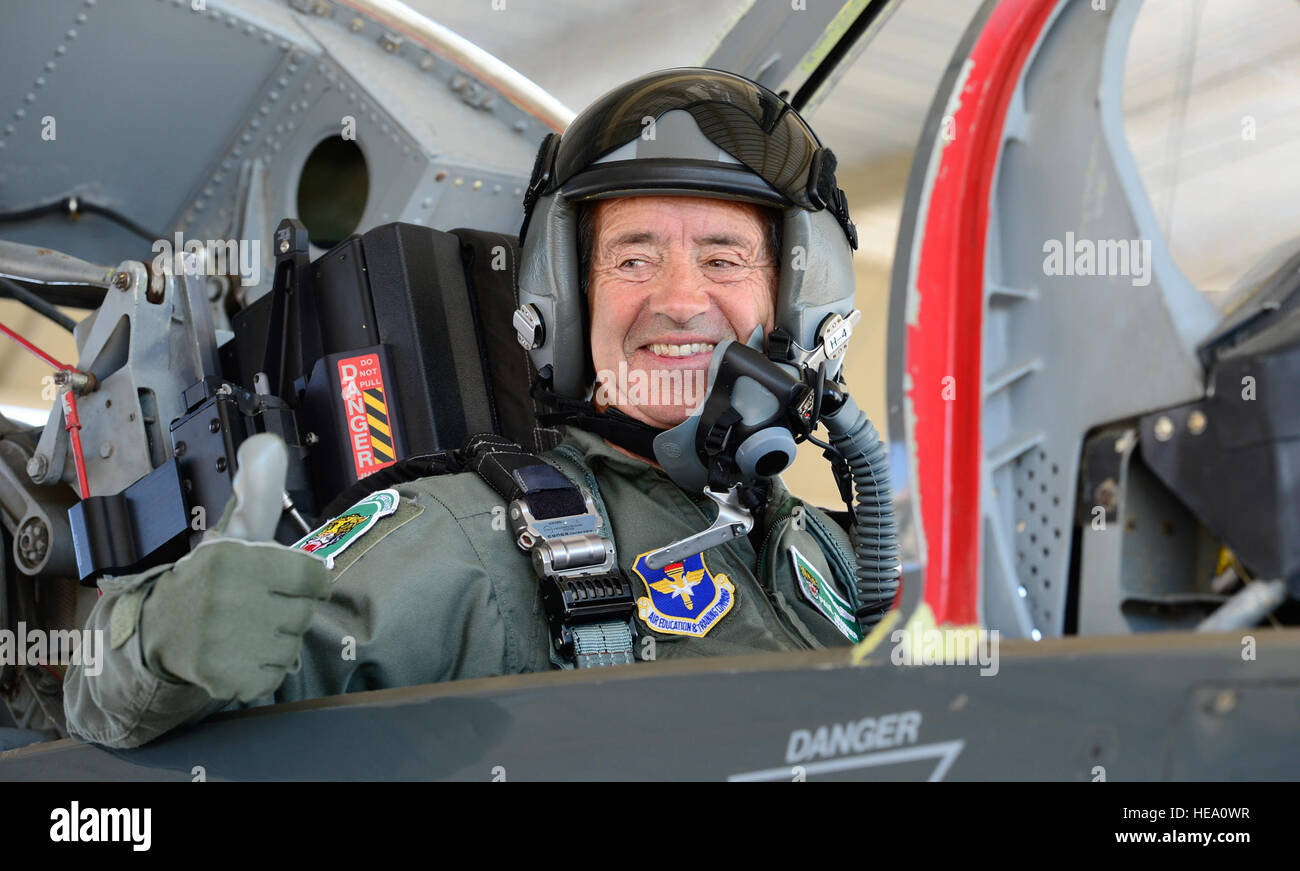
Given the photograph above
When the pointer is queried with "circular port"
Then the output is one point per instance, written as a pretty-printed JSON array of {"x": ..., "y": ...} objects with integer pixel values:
[{"x": 332, "y": 191}]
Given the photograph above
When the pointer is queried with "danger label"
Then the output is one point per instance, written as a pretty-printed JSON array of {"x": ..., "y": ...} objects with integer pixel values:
[{"x": 369, "y": 425}]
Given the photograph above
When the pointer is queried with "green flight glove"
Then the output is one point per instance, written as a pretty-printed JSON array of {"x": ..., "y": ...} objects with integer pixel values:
[{"x": 229, "y": 617}]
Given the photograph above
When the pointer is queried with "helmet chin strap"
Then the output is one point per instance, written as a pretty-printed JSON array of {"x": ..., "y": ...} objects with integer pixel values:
[{"x": 611, "y": 424}]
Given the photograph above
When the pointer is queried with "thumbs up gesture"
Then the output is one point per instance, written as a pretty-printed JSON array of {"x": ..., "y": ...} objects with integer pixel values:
[{"x": 230, "y": 616}]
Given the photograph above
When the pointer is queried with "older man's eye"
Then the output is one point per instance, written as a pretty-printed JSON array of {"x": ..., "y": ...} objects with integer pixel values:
[{"x": 631, "y": 263}]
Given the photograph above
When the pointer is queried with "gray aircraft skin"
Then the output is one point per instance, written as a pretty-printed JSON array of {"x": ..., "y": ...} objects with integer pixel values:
[{"x": 1146, "y": 666}]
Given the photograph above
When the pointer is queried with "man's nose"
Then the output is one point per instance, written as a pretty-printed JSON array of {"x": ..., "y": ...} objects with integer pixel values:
[{"x": 680, "y": 291}]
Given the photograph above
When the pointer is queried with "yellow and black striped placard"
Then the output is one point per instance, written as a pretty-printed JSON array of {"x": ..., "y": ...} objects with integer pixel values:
[{"x": 381, "y": 437}]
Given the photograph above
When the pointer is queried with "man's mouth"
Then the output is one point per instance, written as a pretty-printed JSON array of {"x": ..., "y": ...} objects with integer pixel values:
[{"x": 689, "y": 349}]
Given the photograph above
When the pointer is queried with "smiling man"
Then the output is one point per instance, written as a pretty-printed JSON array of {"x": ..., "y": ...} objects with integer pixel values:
[
  {"x": 669, "y": 279},
  {"x": 684, "y": 210}
]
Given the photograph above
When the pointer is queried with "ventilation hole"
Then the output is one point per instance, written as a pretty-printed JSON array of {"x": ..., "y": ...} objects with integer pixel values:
[
  {"x": 1031, "y": 474},
  {"x": 1056, "y": 533},
  {"x": 1047, "y": 615},
  {"x": 1033, "y": 570},
  {"x": 1056, "y": 500},
  {"x": 1032, "y": 538},
  {"x": 1047, "y": 584},
  {"x": 332, "y": 190},
  {"x": 1055, "y": 469},
  {"x": 1019, "y": 493},
  {"x": 1044, "y": 520},
  {"x": 1031, "y": 506},
  {"x": 1042, "y": 487},
  {"x": 1021, "y": 556},
  {"x": 1042, "y": 455}
]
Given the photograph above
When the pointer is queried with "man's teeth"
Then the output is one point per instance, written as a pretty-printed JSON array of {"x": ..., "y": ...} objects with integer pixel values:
[{"x": 681, "y": 350}]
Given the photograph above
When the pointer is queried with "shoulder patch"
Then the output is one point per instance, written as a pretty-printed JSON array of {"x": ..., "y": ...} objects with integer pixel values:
[
  {"x": 823, "y": 596},
  {"x": 684, "y": 598},
  {"x": 332, "y": 537}
]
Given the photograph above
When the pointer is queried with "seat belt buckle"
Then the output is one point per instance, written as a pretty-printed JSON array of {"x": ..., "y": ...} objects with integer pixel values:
[
  {"x": 573, "y": 602},
  {"x": 580, "y": 579}
]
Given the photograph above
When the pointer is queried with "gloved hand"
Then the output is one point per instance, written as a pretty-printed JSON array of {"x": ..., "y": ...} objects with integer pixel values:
[{"x": 230, "y": 616}]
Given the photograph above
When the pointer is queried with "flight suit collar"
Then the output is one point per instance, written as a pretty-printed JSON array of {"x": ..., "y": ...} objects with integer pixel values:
[{"x": 593, "y": 446}]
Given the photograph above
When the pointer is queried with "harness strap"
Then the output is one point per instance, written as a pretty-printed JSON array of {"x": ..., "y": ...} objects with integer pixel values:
[{"x": 589, "y": 602}]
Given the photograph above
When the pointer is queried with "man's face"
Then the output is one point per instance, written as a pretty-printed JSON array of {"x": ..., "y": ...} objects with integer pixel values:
[{"x": 671, "y": 277}]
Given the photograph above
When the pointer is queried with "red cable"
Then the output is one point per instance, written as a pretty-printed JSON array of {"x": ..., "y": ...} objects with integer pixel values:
[
  {"x": 70, "y": 419},
  {"x": 73, "y": 423},
  {"x": 35, "y": 350}
]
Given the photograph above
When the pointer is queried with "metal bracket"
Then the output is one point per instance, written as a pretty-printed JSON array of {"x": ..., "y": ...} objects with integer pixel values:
[
  {"x": 833, "y": 336},
  {"x": 564, "y": 546},
  {"x": 733, "y": 521}
]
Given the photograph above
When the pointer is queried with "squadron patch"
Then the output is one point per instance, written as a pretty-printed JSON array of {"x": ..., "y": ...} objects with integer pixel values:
[
  {"x": 684, "y": 597},
  {"x": 823, "y": 596},
  {"x": 331, "y": 538}
]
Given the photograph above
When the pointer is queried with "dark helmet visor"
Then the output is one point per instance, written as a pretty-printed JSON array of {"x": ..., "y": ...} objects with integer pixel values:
[{"x": 747, "y": 121}]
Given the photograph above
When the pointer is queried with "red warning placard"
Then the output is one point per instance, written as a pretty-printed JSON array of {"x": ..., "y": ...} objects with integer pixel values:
[{"x": 366, "y": 407}]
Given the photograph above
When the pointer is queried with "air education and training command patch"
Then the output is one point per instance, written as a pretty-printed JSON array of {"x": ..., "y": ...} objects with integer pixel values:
[
  {"x": 684, "y": 597},
  {"x": 329, "y": 540}
]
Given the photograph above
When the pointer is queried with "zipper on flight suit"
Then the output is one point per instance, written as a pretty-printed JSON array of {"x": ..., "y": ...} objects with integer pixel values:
[
  {"x": 835, "y": 544},
  {"x": 771, "y": 530},
  {"x": 837, "y": 549}
]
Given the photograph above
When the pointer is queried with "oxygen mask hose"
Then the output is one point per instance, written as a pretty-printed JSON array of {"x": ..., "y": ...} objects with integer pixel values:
[{"x": 875, "y": 540}]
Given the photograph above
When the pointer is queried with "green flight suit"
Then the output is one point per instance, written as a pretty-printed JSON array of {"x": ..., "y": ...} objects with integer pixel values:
[{"x": 439, "y": 591}]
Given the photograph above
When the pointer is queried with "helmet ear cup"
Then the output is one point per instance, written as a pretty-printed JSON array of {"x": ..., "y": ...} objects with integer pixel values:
[
  {"x": 548, "y": 279},
  {"x": 816, "y": 274}
]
